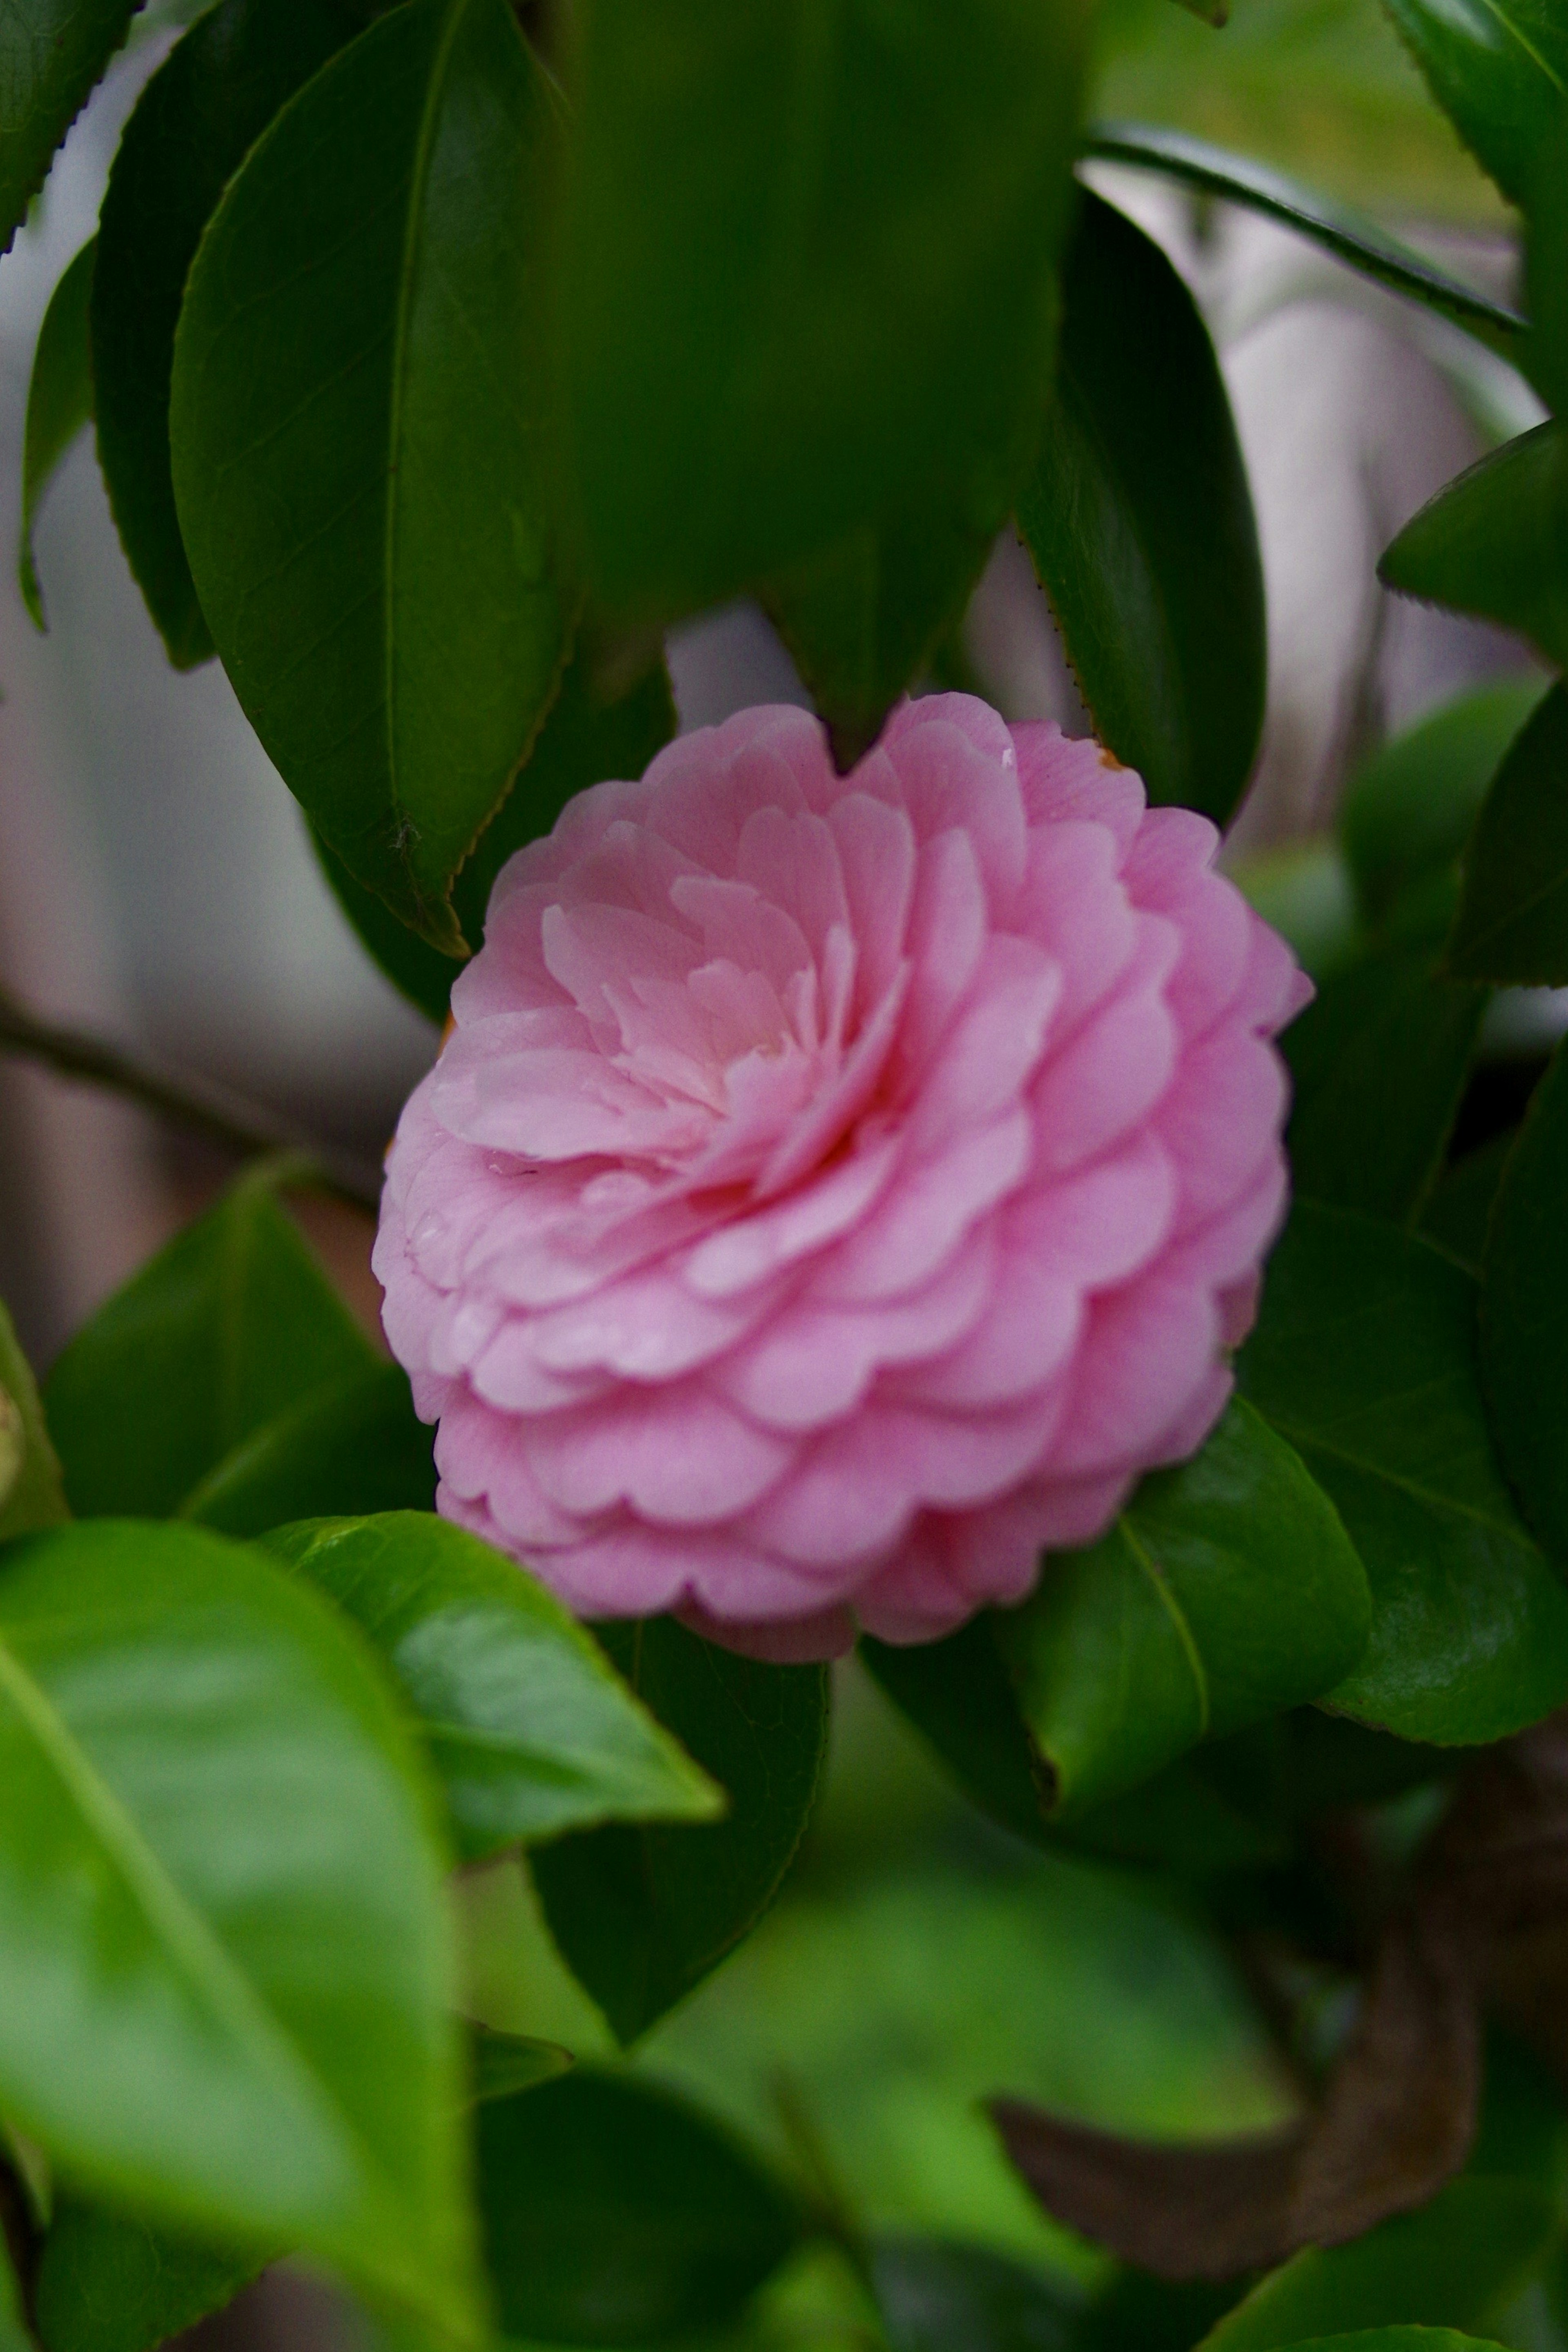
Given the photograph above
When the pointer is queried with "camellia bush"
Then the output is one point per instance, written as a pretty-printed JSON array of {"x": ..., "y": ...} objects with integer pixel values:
[{"x": 884, "y": 1187}]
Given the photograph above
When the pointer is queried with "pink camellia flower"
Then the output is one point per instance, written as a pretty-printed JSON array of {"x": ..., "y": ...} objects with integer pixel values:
[{"x": 837, "y": 1189}]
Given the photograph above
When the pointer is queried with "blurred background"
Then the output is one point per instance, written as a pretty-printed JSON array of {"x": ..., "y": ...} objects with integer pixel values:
[{"x": 156, "y": 886}]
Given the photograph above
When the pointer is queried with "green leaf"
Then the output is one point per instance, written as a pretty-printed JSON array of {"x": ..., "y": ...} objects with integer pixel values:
[
  {"x": 808, "y": 276},
  {"x": 528, "y": 1727},
  {"x": 1225, "y": 1592},
  {"x": 1495, "y": 542},
  {"x": 1512, "y": 920},
  {"x": 591, "y": 735},
  {"x": 207, "y": 1790},
  {"x": 1349, "y": 235},
  {"x": 1407, "y": 812},
  {"x": 354, "y": 1446},
  {"x": 1453, "y": 2264},
  {"x": 1547, "y": 259},
  {"x": 31, "y": 1495},
  {"x": 1303, "y": 888},
  {"x": 230, "y": 1326},
  {"x": 1524, "y": 1311},
  {"x": 1398, "y": 2339},
  {"x": 506, "y": 2064},
  {"x": 51, "y": 53},
  {"x": 192, "y": 127},
  {"x": 1151, "y": 565},
  {"x": 106, "y": 2283},
  {"x": 60, "y": 403},
  {"x": 14, "y": 2335},
  {"x": 934, "y": 2294},
  {"x": 1365, "y": 1359},
  {"x": 1378, "y": 1063},
  {"x": 1499, "y": 68},
  {"x": 1456, "y": 1215},
  {"x": 641, "y": 1914},
  {"x": 615, "y": 2212},
  {"x": 358, "y": 426}
]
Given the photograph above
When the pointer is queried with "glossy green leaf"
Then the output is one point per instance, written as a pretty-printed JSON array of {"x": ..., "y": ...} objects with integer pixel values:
[
  {"x": 31, "y": 1494},
  {"x": 934, "y": 2294},
  {"x": 352, "y": 1446},
  {"x": 1512, "y": 919},
  {"x": 1365, "y": 1359},
  {"x": 230, "y": 1326},
  {"x": 641, "y": 1914},
  {"x": 1495, "y": 542},
  {"x": 358, "y": 425},
  {"x": 60, "y": 403},
  {"x": 225, "y": 1961},
  {"x": 530, "y": 1729},
  {"x": 1409, "y": 810},
  {"x": 1151, "y": 565},
  {"x": 1499, "y": 68},
  {"x": 591, "y": 735},
  {"x": 1378, "y": 1064},
  {"x": 192, "y": 127},
  {"x": 506, "y": 2064},
  {"x": 1524, "y": 1311},
  {"x": 106, "y": 2283},
  {"x": 1225, "y": 1592},
  {"x": 1451, "y": 2265},
  {"x": 615, "y": 2212},
  {"x": 51, "y": 53},
  {"x": 1349, "y": 235},
  {"x": 807, "y": 275}
]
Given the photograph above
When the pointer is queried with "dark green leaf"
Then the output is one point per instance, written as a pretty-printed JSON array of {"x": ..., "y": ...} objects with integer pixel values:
[
  {"x": 1547, "y": 268},
  {"x": 937, "y": 2295},
  {"x": 51, "y": 53},
  {"x": 1152, "y": 565},
  {"x": 230, "y": 1325},
  {"x": 1304, "y": 889},
  {"x": 807, "y": 275},
  {"x": 354, "y": 1446},
  {"x": 1452, "y": 2266},
  {"x": 615, "y": 2213},
  {"x": 1379, "y": 1062},
  {"x": 1499, "y": 68},
  {"x": 506, "y": 2064},
  {"x": 1365, "y": 1359},
  {"x": 1524, "y": 1311},
  {"x": 1397, "y": 2339},
  {"x": 1409, "y": 810},
  {"x": 108, "y": 2284},
  {"x": 60, "y": 403},
  {"x": 591, "y": 735},
  {"x": 1495, "y": 542},
  {"x": 528, "y": 1729},
  {"x": 208, "y": 1790},
  {"x": 1512, "y": 921},
  {"x": 14, "y": 2335},
  {"x": 642, "y": 1915},
  {"x": 358, "y": 426},
  {"x": 31, "y": 1495},
  {"x": 1456, "y": 1215},
  {"x": 193, "y": 127},
  {"x": 1225, "y": 1592},
  {"x": 1350, "y": 235}
]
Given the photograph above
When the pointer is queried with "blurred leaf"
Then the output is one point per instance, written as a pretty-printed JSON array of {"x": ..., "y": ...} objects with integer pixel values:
[
  {"x": 1364, "y": 1358},
  {"x": 590, "y": 736},
  {"x": 642, "y": 1915},
  {"x": 60, "y": 403},
  {"x": 230, "y": 1325},
  {"x": 1225, "y": 1592},
  {"x": 1512, "y": 921},
  {"x": 1456, "y": 1214},
  {"x": 807, "y": 273},
  {"x": 1452, "y": 2266},
  {"x": 31, "y": 1495},
  {"x": 528, "y": 1727},
  {"x": 935, "y": 2294},
  {"x": 106, "y": 2283},
  {"x": 1409, "y": 809},
  {"x": 1140, "y": 2314},
  {"x": 192, "y": 127},
  {"x": 1350, "y": 235},
  {"x": 1379, "y": 1062},
  {"x": 357, "y": 428},
  {"x": 1524, "y": 1311},
  {"x": 1495, "y": 542},
  {"x": 1152, "y": 566},
  {"x": 507, "y": 2064},
  {"x": 207, "y": 1789},
  {"x": 1303, "y": 888},
  {"x": 352, "y": 1446},
  {"x": 1547, "y": 261},
  {"x": 51, "y": 53},
  {"x": 615, "y": 2212},
  {"x": 1398, "y": 2339},
  {"x": 1499, "y": 68}
]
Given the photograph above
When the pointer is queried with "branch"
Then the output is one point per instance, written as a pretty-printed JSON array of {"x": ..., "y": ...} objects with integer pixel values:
[{"x": 233, "y": 1125}]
